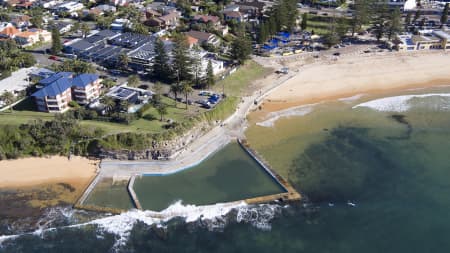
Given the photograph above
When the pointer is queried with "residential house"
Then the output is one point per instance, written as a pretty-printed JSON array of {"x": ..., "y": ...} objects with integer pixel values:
[
  {"x": 9, "y": 32},
  {"x": 234, "y": 15},
  {"x": 106, "y": 8},
  {"x": 21, "y": 21},
  {"x": 205, "y": 19},
  {"x": 62, "y": 27},
  {"x": 49, "y": 4},
  {"x": 205, "y": 57},
  {"x": 191, "y": 41},
  {"x": 94, "y": 11},
  {"x": 70, "y": 7},
  {"x": 32, "y": 36},
  {"x": 204, "y": 37},
  {"x": 4, "y": 25},
  {"x": 61, "y": 88},
  {"x": 166, "y": 21},
  {"x": 119, "y": 24}
]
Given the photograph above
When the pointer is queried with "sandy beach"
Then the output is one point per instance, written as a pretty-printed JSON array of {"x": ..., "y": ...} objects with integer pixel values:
[
  {"x": 348, "y": 75},
  {"x": 34, "y": 171}
]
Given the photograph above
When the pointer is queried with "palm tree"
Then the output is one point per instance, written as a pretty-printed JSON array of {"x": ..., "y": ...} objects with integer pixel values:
[
  {"x": 187, "y": 89},
  {"x": 109, "y": 103},
  {"x": 124, "y": 105},
  {"x": 162, "y": 110},
  {"x": 85, "y": 30},
  {"x": 8, "y": 98},
  {"x": 133, "y": 80}
]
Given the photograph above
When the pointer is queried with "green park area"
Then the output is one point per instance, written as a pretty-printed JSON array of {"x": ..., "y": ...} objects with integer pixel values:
[{"x": 234, "y": 85}]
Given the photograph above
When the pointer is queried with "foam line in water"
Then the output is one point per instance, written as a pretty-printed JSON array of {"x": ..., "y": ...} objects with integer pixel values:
[
  {"x": 352, "y": 98},
  {"x": 294, "y": 111},
  {"x": 121, "y": 225},
  {"x": 397, "y": 103}
]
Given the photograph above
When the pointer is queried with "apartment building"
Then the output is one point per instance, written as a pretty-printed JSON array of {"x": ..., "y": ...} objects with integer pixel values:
[{"x": 61, "y": 88}]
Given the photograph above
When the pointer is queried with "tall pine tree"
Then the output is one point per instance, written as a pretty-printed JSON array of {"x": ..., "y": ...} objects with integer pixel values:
[
  {"x": 160, "y": 68},
  {"x": 56, "y": 41},
  {"x": 182, "y": 62}
]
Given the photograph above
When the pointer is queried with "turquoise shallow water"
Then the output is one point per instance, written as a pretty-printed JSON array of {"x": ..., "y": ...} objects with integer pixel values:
[{"x": 394, "y": 165}]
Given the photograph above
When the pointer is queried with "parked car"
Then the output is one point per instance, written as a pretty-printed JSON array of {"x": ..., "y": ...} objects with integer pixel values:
[{"x": 53, "y": 57}]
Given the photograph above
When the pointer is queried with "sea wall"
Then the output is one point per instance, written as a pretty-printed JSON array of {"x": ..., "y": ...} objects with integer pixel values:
[{"x": 162, "y": 150}]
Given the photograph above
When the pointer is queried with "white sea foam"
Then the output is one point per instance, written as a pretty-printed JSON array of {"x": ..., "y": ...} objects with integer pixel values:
[
  {"x": 121, "y": 225},
  {"x": 397, "y": 103},
  {"x": 290, "y": 112}
]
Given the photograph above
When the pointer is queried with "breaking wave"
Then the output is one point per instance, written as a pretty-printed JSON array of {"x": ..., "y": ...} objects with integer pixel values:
[
  {"x": 406, "y": 102},
  {"x": 213, "y": 217},
  {"x": 294, "y": 111}
]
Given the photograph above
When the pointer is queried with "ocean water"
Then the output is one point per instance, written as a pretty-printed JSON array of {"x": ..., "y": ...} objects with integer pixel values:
[{"x": 376, "y": 174}]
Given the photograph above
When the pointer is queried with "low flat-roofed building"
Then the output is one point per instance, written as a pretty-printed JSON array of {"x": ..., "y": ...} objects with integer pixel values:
[
  {"x": 426, "y": 40},
  {"x": 123, "y": 93},
  {"x": 445, "y": 37}
]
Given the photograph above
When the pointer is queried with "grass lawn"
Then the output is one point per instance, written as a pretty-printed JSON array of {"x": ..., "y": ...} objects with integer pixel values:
[
  {"x": 319, "y": 27},
  {"x": 178, "y": 114},
  {"x": 235, "y": 86},
  {"x": 236, "y": 83},
  {"x": 25, "y": 112}
]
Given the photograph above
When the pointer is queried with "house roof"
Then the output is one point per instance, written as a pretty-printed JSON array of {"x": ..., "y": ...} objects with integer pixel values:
[
  {"x": 191, "y": 40},
  {"x": 151, "y": 12},
  {"x": 232, "y": 14},
  {"x": 169, "y": 16},
  {"x": 60, "y": 82},
  {"x": 20, "y": 18},
  {"x": 55, "y": 77},
  {"x": 201, "y": 36},
  {"x": 83, "y": 80},
  {"x": 27, "y": 34},
  {"x": 55, "y": 88},
  {"x": 206, "y": 18},
  {"x": 10, "y": 31}
]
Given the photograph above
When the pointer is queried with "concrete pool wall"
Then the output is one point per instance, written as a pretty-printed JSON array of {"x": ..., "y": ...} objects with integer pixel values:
[{"x": 288, "y": 194}]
